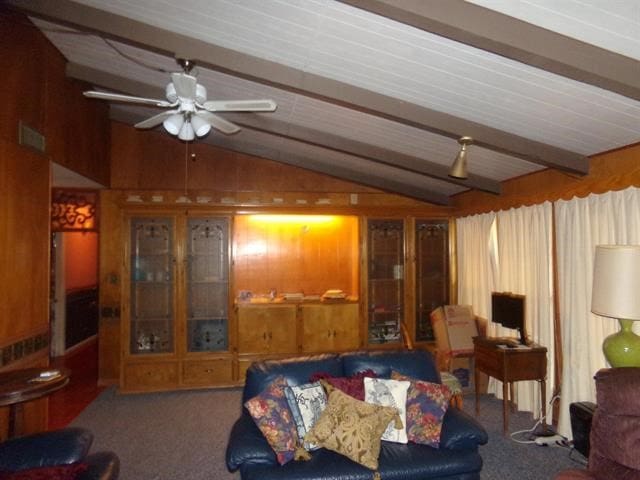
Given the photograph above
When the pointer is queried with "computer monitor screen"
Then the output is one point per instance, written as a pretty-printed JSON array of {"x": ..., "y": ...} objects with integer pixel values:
[{"x": 508, "y": 310}]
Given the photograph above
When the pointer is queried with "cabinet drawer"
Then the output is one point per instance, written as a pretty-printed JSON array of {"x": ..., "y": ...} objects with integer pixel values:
[
  {"x": 207, "y": 372},
  {"x": 146, "y": 376}
]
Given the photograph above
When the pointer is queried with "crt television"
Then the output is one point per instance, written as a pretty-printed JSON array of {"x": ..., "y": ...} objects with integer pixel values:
[{"x": 507, "y": 309}]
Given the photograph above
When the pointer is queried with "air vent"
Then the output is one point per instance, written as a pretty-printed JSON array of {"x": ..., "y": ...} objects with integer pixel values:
[{"x": 29, "y": 137}]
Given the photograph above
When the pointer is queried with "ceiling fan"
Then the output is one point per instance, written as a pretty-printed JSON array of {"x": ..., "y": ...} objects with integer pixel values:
[{"x": 190, "y": 114}]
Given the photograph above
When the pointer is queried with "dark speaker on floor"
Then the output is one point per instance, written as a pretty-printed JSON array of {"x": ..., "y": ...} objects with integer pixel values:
[{"x": 581, "y": 415}]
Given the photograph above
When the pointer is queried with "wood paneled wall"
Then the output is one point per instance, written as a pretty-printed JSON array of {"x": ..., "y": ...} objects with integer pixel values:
[
  {"x": 615, "y": 170},
  {"x": 36, "y": 92},
  {"x": 154, "y": 160},
  {"x": 309, "y": 254}
]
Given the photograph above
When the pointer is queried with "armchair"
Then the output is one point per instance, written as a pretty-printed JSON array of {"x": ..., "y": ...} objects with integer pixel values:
[
  {"x": 57, "y": 450},
  {"x": 615, "y": 429}
]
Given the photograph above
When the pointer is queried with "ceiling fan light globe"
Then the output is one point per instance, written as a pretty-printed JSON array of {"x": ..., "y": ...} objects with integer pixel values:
[
  {"x": 174, "y": 123},
  {"x": 186, "y": 132},
  {"x": 170, "y": 93},
  {"x": 200, "y": 126}
]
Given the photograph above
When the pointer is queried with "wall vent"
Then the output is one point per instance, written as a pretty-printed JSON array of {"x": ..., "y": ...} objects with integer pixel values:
[{"x": 29, "y": 137}]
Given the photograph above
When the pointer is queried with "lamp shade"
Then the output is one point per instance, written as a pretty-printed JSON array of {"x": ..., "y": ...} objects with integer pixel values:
[
  {"x": 616, "y": 282},
  {"x": 459, "y": 167}
]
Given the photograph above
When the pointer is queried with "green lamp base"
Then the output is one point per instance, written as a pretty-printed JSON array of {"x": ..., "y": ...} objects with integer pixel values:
[{"x": 622, "y": 349}]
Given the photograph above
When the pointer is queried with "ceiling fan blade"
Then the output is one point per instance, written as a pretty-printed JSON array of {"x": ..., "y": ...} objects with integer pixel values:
[
  {"x": 155, "y": 120},
  {"x": 116, "y": 97},
  {"x": 219, "y": 123},
  {"x": 184, "y": 84},
  {"x": 240, "y": 106}
]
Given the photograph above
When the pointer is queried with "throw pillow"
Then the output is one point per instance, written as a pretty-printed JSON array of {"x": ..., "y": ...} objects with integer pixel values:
[
  {"x": 353, "y": 385},
  {"x": 352, "y": 428},
  {"x": 307, "y": 403},
  {"x": 426, "y": 405},
  {"x": 390, "y": 393},
  {"x": 56, "y": 472},
  {"x": 270, "y": 411}
]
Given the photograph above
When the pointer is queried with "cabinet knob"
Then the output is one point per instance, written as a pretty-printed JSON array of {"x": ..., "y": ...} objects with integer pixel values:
[{"x": 208, "y": 370}]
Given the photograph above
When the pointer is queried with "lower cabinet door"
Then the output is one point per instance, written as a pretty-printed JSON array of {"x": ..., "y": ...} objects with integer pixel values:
[
  {"x": 150, "y": 376},
  {"x": 207, "y": 372},
  {"x": 330, "y": 327}
]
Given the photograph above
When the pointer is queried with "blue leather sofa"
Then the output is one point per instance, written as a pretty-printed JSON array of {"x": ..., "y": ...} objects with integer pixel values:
[
  {"x": 456, "y": 459},
  {"x": 56, "y": 448}
]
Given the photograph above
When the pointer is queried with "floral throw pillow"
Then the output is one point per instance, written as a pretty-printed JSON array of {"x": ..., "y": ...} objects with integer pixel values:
[
  {"x": 352, "y": 428},
  {"x": 307, "y": 402},
  {"x": 390, "y": 393},
  {"x": 426, "y": 405},
  {"x": 270, "y": 411}
]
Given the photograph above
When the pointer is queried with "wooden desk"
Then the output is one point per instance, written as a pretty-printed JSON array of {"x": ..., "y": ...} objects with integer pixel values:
[
  {"x": 509, "y": 365},
  {"x": 19, "y": 386}
]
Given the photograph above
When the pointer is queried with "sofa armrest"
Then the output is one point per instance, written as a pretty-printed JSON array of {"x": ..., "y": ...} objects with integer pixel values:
[
  {"x": 45, "y": 449},
  {"x": 248, "y": 445},
  {"x": 460, "y": 431}
]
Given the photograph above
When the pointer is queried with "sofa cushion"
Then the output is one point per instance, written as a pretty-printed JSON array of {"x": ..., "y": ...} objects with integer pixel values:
[
  {"x": 390, "y": 393},
  {"x": 352, "y": 428},
  {"x": 427, "y": 404},
  {"x": 307, "y": 402},
  {"x": 353, "y": 385},
  {"x": 416, "y": 363},
  {"x": 296, "y": 370},
  {"x": 270, "y": 411},
  {"x": 71, "y": 471}
]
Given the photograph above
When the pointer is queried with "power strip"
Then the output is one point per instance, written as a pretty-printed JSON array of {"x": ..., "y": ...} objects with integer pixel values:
[{"x": 551, "y": 440}]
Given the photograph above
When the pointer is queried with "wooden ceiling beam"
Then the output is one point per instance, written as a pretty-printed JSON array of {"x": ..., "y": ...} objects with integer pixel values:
[{"x": 291, "y": 79}]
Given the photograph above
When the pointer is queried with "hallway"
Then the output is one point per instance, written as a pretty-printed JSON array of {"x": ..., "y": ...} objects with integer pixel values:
[{"x": 67, "y": 403}]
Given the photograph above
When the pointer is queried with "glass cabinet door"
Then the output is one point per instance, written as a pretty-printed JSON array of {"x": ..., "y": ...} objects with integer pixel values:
[
  {"x": 385, "y": 271},
  {"x": 432, "y": 273},
  {"x": 207, "y": 284},
  {"x": 152, "y": 286}
]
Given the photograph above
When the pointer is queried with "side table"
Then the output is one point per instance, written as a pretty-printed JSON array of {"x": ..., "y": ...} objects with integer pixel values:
[{"x": 19, "y": 386}]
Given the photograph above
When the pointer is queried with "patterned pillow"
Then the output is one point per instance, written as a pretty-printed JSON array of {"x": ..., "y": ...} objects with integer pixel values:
[
  {"x": 352, "y": 428},
  {"x": 353, "y": 385},
  {"x": 270, "y": 411},
  {"x": 426, "y": 405},
  {"x": 390, "y": 393},
  {"x": 306, "y": 402}
]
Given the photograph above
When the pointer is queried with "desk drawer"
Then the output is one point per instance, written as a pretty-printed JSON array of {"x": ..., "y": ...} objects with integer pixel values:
[
  {"x": 524, "y": 365},
  {"x": 489, "y": 363}
]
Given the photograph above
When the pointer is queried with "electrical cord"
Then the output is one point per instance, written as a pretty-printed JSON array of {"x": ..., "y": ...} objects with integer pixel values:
[{"x": 543, "y": 416}]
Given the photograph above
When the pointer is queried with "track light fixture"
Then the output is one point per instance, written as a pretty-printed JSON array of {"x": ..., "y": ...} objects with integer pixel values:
[{"x": 459, "y": 167}]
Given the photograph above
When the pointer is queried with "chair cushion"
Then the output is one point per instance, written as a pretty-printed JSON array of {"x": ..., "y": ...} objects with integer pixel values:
[{"x": 71, "y": 471}]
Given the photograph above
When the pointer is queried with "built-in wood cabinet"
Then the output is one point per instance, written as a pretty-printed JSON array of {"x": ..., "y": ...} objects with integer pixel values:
[
  {"x": 176, "y": 302},
  {"x": 190, "y": 316},
  {"x": 267, "y": 329},
  {"x": 329, "y": 327}
]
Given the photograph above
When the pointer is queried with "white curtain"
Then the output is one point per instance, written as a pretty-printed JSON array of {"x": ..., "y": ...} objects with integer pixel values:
[
  {"x": 477, "y": 269},
  {"x": 511, "y": 251},
  {"x": 526, "y": 268},
  {"x": 581, "y": 224}
]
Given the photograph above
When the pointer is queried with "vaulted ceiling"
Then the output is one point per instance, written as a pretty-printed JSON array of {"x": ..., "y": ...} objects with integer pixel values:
[{"x": 379, "y": 91}]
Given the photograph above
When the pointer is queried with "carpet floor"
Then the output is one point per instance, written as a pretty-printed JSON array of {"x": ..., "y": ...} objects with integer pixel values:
[{"x": 183, "y": 436}]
